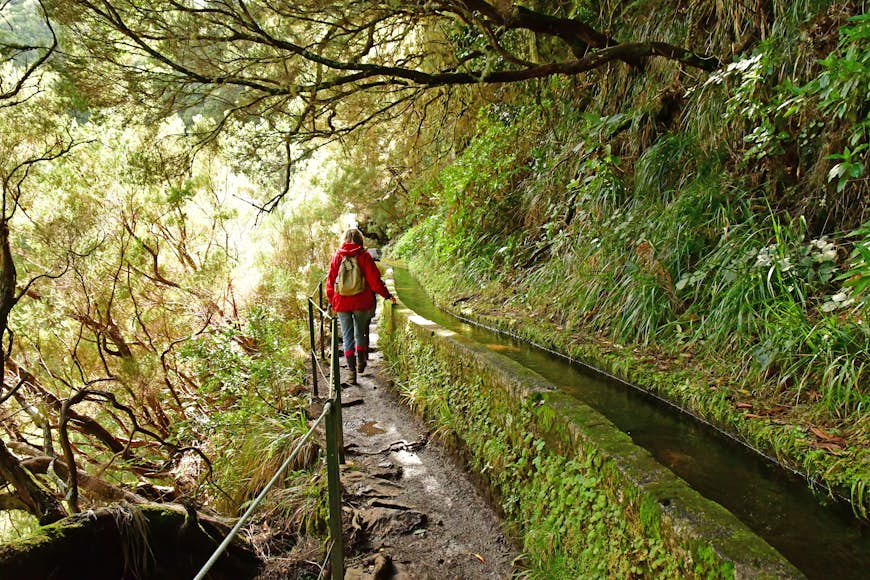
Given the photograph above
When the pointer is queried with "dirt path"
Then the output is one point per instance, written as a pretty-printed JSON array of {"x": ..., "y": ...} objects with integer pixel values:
[{"x": 414, "y": 511}]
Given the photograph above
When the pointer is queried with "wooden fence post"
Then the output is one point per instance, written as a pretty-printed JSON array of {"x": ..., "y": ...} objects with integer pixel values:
[
  {"x": 333, "y": 444},
  {"x": 336, "y": 387},
  {"x": 320, "y": 303},
  {"x": 313, "y": 347}
]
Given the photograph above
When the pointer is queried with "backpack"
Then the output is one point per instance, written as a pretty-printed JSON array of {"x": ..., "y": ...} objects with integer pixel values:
[{"x": 349, "y": 281}]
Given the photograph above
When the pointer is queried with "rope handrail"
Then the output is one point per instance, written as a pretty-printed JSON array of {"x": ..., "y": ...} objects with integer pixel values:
[
  {"x": 242, "y": 520},
  {"x": 325, "y": 560},
  {"x": 317, "y": 286},
  {"x": 320, "y": 368},
  {"x": 325, "y": 313}
]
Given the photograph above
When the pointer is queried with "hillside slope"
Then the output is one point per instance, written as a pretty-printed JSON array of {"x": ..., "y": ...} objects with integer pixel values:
[{"x": 700, "y": 235}]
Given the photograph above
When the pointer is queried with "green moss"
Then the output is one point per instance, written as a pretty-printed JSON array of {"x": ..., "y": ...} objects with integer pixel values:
[
  {"x": 578, "y": 511},
  {"x": 710, "y": 565},
  {"x": 650, "y": 517}
]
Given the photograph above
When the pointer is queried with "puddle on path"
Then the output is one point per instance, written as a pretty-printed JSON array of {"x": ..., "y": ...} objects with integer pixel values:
[{"x": 370, "y": 429}]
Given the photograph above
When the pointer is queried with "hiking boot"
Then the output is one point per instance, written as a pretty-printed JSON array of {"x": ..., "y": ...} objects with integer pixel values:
[
  {"x": 361, "y": 364},
  {"x": 351, "y": 365}
]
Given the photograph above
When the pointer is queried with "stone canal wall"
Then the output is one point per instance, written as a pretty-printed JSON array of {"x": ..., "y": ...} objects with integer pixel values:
[{"x": 582, "y": 497}]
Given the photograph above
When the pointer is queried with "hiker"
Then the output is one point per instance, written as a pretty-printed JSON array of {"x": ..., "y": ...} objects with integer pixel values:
[{"x": 351, "y": 285}]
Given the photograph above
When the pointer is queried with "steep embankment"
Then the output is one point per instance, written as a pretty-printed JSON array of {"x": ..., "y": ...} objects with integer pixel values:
[{"x": 698, "y": 236}]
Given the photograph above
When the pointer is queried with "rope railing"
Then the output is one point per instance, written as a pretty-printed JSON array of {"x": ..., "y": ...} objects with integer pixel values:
[
  {"x": 316, "y": 369},
  {"x": 325, "y": 313},
  {"x": 322, "y": 373},
  {"x": 331, "y": 415},
  {"x": 318, "y": 314},
  {"x": 322, "y": 566},
  {"x": 259, "y": 499}
]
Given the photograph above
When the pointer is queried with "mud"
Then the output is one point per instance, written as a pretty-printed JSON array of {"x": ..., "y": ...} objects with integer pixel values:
[{"x": 411, "y": 509}]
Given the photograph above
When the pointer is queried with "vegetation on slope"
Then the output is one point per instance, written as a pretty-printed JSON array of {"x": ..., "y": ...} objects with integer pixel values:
[
  {"x": 150, "y": 343},
  {"x": 658, "y": 212},
  {"x": 701, "y": 234}
]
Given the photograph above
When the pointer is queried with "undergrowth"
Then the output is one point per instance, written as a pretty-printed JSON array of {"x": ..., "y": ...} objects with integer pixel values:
[
  {"x": 253, "y": 379},
  {"x": 711, "y": 224}
]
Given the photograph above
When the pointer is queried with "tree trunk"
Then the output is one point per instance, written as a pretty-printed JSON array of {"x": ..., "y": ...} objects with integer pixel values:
[{"x": 39, "y": 502}]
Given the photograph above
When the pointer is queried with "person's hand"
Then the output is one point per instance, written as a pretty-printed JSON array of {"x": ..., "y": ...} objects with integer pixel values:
[{"x": 393, "y": 299}]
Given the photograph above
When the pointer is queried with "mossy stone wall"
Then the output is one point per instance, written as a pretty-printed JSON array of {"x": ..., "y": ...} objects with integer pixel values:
[{"x": 585, "y": 500}]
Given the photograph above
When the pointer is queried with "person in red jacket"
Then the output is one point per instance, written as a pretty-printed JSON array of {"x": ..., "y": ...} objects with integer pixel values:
[{"x": 355, "y": 312}]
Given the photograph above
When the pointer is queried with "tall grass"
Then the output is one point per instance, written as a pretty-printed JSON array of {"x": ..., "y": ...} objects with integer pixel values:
[{"x": 686, "y": 256}]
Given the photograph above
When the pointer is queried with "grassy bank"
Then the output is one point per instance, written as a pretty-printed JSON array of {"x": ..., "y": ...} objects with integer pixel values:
[
  {"x": 700, "y": 237},
  {"x": 688, "y": 381}
]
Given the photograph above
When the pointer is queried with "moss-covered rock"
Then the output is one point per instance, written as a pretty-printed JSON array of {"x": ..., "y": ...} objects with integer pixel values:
[{"x": 150, "y": 541}]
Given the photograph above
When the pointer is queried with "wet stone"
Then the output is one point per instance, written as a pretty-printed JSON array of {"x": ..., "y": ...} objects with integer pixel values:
[
  {"x": 382, "y": 521},
  {"x": 352, "y": 402},
  {"x": 382, "y": 567},
  {"x": 362, "y": 485},
  {"x": 387, "y": 470}
]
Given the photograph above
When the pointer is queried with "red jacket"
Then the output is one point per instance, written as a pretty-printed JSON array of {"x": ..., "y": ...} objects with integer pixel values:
[{"x": 365, "y": 300}]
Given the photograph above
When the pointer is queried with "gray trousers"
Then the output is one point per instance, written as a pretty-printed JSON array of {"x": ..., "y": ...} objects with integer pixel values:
[{"x": 355, "y": 331}]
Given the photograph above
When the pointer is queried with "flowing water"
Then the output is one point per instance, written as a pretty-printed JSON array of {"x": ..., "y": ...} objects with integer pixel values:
[{"x": 822, "y": 541}]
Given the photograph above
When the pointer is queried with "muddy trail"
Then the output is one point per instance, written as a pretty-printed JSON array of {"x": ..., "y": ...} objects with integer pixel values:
[{"x": 410, "y": 508}]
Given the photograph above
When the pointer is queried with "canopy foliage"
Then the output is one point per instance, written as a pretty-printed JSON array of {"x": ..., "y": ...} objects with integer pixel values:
[{"x": 316, "y": 72}]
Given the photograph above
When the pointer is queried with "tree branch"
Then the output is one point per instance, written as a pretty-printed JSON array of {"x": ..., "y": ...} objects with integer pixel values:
[
  {"x": 95, "y": 485},
  {"x": 38, "y": 501},
  {"x": 31, "y": 69}
]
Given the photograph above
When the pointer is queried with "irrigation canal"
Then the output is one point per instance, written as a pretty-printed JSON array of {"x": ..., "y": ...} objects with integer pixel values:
[{"x": 822, "y": 541}]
